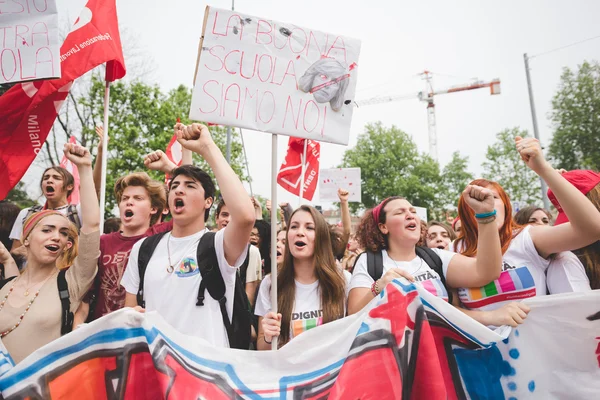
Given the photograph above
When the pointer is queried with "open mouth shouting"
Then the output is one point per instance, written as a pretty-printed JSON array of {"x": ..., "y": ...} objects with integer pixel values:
[
  {"x": 412, "y": 226},
  {"x": 300, "y": 245},
  {"x": 49, "y": 190},
  {"x": 52, "y": 248},
  {"x": 179, "y": 206},
  {"x": 128, "y": 215}
]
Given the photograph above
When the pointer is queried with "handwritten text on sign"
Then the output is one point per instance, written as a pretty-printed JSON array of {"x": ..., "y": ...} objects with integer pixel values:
[
  {"x": 330, "y": 180},
  {"x": 29, "y": 46},
  {"x": 275, "y": 77}
]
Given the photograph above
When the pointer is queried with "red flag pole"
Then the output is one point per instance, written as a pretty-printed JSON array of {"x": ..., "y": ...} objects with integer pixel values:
[
  {"x": 104, "y": 154},
  {"x": 303, "y": 173}
]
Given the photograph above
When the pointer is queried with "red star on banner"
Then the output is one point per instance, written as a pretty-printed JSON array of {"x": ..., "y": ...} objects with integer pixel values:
[{"x": 394, "y": 310}]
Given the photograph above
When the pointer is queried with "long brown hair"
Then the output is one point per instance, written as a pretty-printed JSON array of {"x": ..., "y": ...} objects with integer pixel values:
[
  {"x": 332, "y": 283},
  {"x": 590, "y": 255},
  {"x": 467, "y": 239}
]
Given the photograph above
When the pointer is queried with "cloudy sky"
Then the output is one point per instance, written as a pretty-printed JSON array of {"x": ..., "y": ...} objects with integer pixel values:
[{"x": 459, "y": 40}]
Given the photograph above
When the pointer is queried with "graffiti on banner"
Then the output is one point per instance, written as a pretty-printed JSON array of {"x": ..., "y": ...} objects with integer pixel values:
[
  {"x": 413, "y": 345},
  {"x": 274, "y": 77}
]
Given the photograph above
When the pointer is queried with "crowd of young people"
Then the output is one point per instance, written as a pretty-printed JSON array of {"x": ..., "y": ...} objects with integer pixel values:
[{"x": 216, "y": 285}]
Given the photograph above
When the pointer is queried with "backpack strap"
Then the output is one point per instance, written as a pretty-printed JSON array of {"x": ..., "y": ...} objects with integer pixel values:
[
  {"x": 73, "y": 216},
  {"x": 374, "y": 264},
  {"x": 435, "y": 263},
  {"x": 144, "y": 256},
  {"x": 212, "y": 279},
  {"x": 5, "y": 281},
  {"x": 32, "y": 210},
  {"x": 65, "y": 302}
]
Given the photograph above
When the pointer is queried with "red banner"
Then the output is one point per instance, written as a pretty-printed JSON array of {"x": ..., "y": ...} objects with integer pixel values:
[
  {"x": 290, "y": 172},
  {"x": 28, "y": 110}
]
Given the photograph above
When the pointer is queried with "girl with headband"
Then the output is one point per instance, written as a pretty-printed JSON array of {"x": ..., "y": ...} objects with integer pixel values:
[
  {"x": 30, "y": 306},
  {"x": 526, "y": 250},
  {"x": 390, "y": 233}
]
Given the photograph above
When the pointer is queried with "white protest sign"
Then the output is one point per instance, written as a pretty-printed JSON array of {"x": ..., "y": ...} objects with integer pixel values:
[
  {"x": 29, "y": 43},
  {"x": 422, "y": 213},
  {"x": 330, "y": 180},
  {"x": 274, "y": 77}
]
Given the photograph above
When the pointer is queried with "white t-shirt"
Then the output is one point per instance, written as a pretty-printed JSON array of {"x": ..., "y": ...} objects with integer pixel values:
[
  {"x": 523, "y": 275},
  {"x": 307, "y": 312},
  {"x": 566, "y": 274},
  {"x": 417, "y": 267},
  {"x": 254, "y": 271},
  {"x": 17, "y": 229},
  {"x": 174, "y": 294}
]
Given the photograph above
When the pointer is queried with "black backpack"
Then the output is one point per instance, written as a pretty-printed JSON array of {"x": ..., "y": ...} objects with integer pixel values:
[
  {"x": 66, "y": 324},
  {"x": 375, "y": 264},
  {"x": 238, "y": 329}
]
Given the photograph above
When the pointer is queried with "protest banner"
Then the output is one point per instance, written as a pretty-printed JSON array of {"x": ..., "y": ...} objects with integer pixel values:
[
  {"x": 330, "y": 180},
  {"x": 422, "y": 213},
  {"x": 29, "y": 42},
  {"x": 274, "y": 77},
  {"x": 407, "y": 343}
]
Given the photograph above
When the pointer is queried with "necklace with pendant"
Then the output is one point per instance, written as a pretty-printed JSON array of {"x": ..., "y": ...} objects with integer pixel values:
[{"x": 171, "y": 266}]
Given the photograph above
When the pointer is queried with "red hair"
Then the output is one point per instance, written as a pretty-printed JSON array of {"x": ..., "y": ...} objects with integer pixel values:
[{"x": 467, "y": 239}]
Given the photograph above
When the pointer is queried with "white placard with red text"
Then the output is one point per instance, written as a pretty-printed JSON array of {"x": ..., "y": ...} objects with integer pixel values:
[
  {"x": 330, "y": 180},
  {"x": 29, "y": 42},
  {"x": 275, "y": 77}
]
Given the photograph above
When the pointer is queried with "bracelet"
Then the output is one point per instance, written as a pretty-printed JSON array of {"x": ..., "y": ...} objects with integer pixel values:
[
  {"x": 375, "y": 288},
  {"x": 486, "y": 215},
  {"x": 265, "y": 339},
  {"x": 488, "y": 220}
]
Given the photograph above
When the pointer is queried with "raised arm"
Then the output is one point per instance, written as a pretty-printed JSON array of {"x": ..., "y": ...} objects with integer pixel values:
[
  {"x": 487, "y": 266},
  {"x": 10, "y": 266},
  {"x": 158, "y": 161},
  {"x": 197, "y": 138},
  {"x": 90, "y": 210},
  {"x": 346, "y": 219},
  {"x": 583, "y": 227}
]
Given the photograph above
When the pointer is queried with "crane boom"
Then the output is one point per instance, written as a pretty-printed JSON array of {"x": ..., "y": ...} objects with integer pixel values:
[{"x": 427, "y": 96}]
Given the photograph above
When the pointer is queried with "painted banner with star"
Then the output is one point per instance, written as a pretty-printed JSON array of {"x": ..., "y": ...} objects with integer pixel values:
[{"x": 406, "y": 344}]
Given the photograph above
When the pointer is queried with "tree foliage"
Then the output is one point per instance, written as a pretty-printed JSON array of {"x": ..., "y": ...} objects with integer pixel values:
[
  {"x": 504, "y": 165},
  {"x": 455, "y": 177},
  {"x": 392, "y": 166},
  {"x": 19, "y": 196},
  {"x": 576, "y": 118}
]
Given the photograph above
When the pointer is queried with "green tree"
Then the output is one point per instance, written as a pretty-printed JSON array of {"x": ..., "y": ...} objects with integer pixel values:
[
  {"x": 576, "y": 118},
  {"x": 504, "y": 165},
  {"x": 141, "y": 120},
  {"x": 455, "y": 178},
  {"x": 392, "y": 166},
  {"x": 19, "y": 196}
]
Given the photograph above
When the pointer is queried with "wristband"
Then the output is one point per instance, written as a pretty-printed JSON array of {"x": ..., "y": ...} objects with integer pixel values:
[
  {"x": 488, "y": 220},
  {"x": 375, "y": 288},
  {"x": 486, "y": 215},
  {"x": 265, "y": 339}
]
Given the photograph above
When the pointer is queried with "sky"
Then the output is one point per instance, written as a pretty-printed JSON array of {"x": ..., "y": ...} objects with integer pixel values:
[{"x": 456, "y": 40}]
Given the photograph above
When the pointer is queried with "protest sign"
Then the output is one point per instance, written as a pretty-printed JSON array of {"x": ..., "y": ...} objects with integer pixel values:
[
  {"x": 407, "y": 343},
  {"x": 29, "y": 43},
  {"x": 330, "y": 180},
  {"x": 274, "y": 77},
  {"x": 422, "y": 213}
]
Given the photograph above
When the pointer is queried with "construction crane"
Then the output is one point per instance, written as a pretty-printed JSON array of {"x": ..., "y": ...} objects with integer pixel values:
[{"x": 427, "y": 96}]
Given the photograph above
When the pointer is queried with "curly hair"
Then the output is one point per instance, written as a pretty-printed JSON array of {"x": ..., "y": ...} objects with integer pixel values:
[{"x": 368, "y": 234}]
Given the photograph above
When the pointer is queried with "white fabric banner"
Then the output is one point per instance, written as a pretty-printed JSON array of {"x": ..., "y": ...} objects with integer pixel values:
[
  {"x": 406, "y": 343},
  {"x": 274, "y": 77},
  {"x": 29, "y": 43},
  {"x": 330, "y": 180}
]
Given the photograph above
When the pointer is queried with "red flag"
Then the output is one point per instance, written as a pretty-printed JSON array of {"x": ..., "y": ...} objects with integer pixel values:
[
  {"x": 290, "y": 172},
  {"x": 28, "y": 110},
  {"x": 68, "y": 165}
]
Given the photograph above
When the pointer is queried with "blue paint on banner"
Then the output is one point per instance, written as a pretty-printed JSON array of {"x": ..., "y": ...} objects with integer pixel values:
[
  {"x": 481, "y": 371},
  {"x": 364, "y": 328},
  {"x": 512, "y": 386},
  {"x": 531, "y": 386},
  {"x": 514, "y": 353}
]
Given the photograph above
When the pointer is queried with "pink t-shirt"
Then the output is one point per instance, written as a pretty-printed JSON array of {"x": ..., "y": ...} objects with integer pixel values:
[{"x": 114, "y": 254}]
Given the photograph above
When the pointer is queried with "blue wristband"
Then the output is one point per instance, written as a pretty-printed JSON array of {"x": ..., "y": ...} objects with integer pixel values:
[{"x": 486, "y": 215}]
